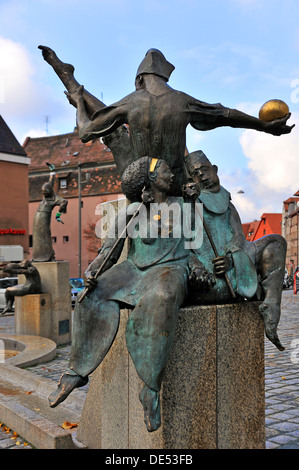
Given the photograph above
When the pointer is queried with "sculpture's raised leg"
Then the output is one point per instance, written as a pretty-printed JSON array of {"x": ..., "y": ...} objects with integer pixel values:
[{"x": 66, "y": 74}]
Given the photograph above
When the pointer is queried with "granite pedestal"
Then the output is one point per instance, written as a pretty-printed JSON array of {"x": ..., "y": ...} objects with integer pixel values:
[
  {"x": 34, "y": 315},
  {"x": 212, "y": 396},
  {"x": 55, "y": 281}
]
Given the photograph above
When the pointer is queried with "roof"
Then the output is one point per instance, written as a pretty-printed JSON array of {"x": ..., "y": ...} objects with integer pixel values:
[
  {"x": 65, "y": 150},
  {"x": 272, "y": 225},
  {"x": 289, "y": 201},
  {"x": 246, "y": 227},
  {"x": 8, "y": 142},
  {"x": 250, "y": 229},
  {"x": 274, "y": 220}
]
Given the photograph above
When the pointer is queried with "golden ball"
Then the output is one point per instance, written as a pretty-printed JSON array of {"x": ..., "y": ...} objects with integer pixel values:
[{"x": 273, "y": 109}]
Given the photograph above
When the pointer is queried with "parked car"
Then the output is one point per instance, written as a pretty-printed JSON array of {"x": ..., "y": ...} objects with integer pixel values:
[
  {"x": 288, "y": 280},
  {"x": 6, "y": 282},
  {"x": 77, "y": 284}
]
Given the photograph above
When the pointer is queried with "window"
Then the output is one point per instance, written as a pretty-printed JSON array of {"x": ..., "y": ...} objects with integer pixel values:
[
  {"x": 54, "y": 239},
  {"x": 30, "y": 241},
  {"x": 62, "y": 183},
  {"x": 65, "y": 239}
]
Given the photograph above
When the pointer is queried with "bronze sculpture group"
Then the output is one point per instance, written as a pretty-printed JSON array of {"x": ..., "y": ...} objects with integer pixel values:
[{"x": 146, "y": 132}]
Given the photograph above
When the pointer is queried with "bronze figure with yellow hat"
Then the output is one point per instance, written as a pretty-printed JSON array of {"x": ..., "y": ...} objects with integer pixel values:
[{"x": 160, "y": 263}]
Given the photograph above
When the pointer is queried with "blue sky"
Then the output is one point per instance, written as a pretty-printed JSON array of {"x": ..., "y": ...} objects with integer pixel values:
[{"x": 240, "y": 53}]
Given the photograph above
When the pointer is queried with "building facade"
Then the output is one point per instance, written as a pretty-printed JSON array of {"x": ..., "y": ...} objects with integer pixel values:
[
  {"x": 86, "y": 177},
  {"x": 290, "y": 230},
  {"x": 14, "y": 195}
]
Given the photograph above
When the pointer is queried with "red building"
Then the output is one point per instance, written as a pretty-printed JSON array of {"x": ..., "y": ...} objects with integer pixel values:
[
  {"x": 100, "y": 183},
  {"x": 14, "y": 164},
  {"x": 269, "y": 223},
  {"x": 249, "y": 229}
]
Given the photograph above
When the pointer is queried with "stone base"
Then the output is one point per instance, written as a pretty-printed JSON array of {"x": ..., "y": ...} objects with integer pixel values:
[
  {"x": 33, "y": 315},
  {"x": 212, "y": 396},
  {"x": 55, "y": 280}
]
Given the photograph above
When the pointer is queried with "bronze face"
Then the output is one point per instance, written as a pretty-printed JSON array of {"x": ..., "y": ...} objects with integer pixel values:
[
  {"x": 164, "y": 177},
  {"x": 206, "y": 175}
]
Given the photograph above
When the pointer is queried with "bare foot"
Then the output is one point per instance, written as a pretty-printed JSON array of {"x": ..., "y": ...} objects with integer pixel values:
[
  {"x": 60, "y": 67},
  {"x": 6, "y": 309},
  {"x": 150, "y": 400},
  {"x": 66, "y": 385},
  {"x": 271, "y": 314}
]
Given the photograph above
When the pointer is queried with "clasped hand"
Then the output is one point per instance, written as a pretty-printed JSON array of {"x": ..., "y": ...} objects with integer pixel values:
[
  {"x": 76, "y": 96},
  {"x": 191, "y": 190},
  {"x": 201, "y": 277},
  {"x": 222, "y": 264},
  {"x": 90, "y": 282}
]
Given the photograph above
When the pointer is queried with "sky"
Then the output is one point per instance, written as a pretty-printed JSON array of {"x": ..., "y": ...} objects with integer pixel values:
[{"x": 240, "y": 53}]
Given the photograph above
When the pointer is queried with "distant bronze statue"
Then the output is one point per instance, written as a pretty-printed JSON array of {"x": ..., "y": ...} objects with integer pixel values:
[
  {"x": 161, "y": 264},
  {"x": 32, "y": 283},
  {"x": 255, "y": 269},
  {"x": 156, "y": 114},
  {"x": 42, "y": 239}
]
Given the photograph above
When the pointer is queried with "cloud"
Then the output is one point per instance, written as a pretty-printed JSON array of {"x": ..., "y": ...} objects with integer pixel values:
[
  {"x": 257, "y": 198},
  {"x": 194, "y": 139},
  {"x": 16, "y": 72},
  {"x": 271, "y": 175},
  {"x": 25, "y": 100},
  {"x": 246, "y": 207},
  {"x": 274, "y": 160}
]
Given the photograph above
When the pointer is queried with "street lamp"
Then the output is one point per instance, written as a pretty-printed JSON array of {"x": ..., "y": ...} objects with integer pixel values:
[{"x": 79, "y": 220}]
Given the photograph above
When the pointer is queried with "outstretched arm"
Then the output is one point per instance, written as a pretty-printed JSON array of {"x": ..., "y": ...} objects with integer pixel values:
[
  {"x": 204, "y": 116},
  {"x": 242, "y": 120}
]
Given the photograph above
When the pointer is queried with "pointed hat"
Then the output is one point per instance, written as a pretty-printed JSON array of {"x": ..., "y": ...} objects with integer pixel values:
[
  {"x": 155, "y": 62},
  {"x": 193, "y": 159}
]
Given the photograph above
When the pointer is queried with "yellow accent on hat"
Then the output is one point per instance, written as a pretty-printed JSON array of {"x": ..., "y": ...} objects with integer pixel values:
[{"x": 153, "y": 164}]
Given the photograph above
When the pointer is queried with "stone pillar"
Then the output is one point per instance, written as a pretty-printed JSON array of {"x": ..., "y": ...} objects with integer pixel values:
[
  {"x": 55, "y": 280},
  {"x": 33, "y": 315},
  {"x": 212, "y": 396}
]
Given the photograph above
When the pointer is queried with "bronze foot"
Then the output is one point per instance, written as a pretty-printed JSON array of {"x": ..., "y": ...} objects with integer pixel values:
[
  {"x": 6, "y": 309},
  {"x": 150, "y": 400},
  {"x": 66, "y": 385},
  {"x": 60, "y": 67},
  {"x": 270, "y": 312}
]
